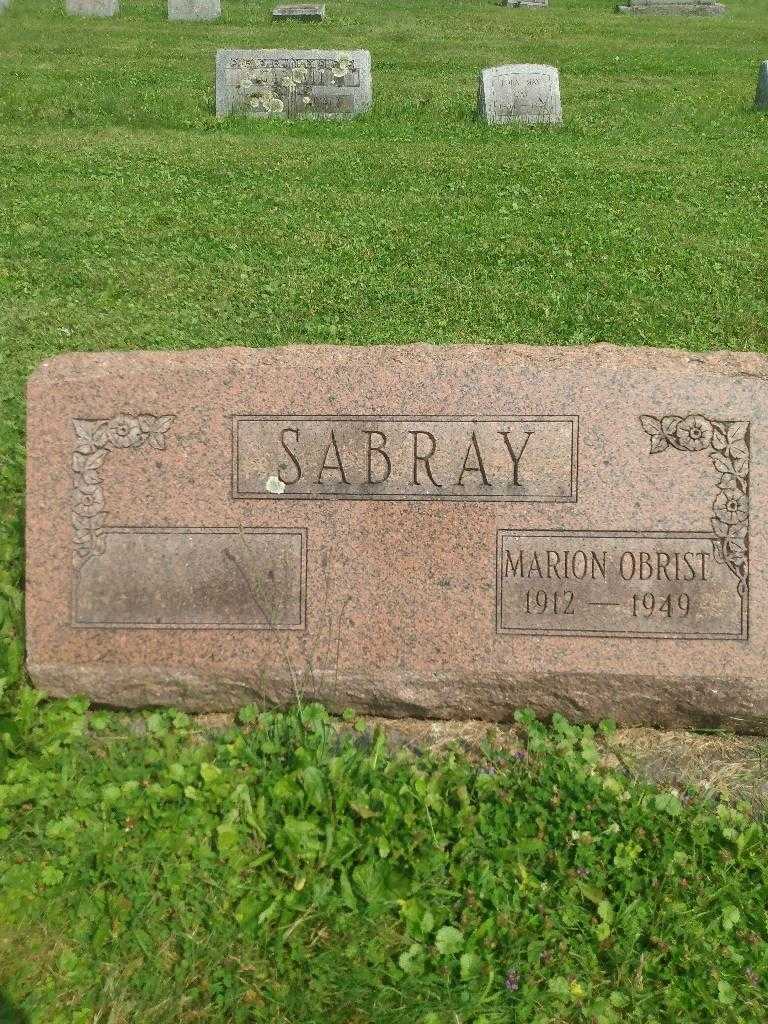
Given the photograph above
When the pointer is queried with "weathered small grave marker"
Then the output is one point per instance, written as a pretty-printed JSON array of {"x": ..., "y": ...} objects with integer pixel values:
[
  {"x": 685, "y": 7},
  {"x": 447, "y": 531},
  {"x": 94, "y": 8},
  {"x": 299, "y": 12},
  {"x": 194, "y": 10},
  {"x": 293, "y": 83},
  {"x": 531, "y": 4},
  {"x": 521, "y": 93},
  {"x": 761, "y": 96}
]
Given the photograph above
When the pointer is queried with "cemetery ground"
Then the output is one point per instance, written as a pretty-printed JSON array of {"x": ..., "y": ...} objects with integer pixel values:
[{"x": 279, "y": 870}]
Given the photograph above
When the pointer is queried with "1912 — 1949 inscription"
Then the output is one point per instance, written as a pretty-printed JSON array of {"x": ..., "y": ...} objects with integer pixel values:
[{"x": 455, "y": 531}]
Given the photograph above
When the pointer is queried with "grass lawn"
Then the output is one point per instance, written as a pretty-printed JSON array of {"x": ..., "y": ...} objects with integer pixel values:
[
  {"x": 131, "y": 217},
  {"x": 151, "y": 873},
  {"x": 277, "y": 873}
]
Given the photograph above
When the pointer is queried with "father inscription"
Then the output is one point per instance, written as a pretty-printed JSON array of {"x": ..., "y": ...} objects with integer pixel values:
[{"x": 447, "y": 531}]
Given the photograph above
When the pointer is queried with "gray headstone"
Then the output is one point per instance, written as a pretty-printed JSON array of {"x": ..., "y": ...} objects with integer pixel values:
[
  {"x": 194, "y": 10},
  {"x": 519, "y": 93},
  {"x": 761, "y": 96},
  {"x": 4, "y": 5},
  {"x": 533, "y": 4},
  {"x": 94, "y": 8},
  {"x": 293, "y": 83},
  {"x": 695, "y": 7},
  {"x": 299, "y": 12}
]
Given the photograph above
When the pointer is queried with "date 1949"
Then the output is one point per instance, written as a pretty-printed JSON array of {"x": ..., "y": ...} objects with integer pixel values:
[
  {"x": 672, "y": 605},
  {"x": 647, "y": 605}
]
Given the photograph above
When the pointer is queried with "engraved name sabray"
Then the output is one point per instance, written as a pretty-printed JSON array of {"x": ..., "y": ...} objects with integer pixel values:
[
  {"x": 94, "y": 440},
  {"x": 727, "y": 444}
]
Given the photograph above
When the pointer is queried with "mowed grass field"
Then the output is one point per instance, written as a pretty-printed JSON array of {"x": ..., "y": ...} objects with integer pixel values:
[
  {"x": 130, "y": 217},
  {"x": 272, "y": 873}
]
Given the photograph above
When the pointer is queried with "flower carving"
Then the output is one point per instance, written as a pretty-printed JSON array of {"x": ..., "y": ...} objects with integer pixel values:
[
  {"x": 731, "y": 507},
  {"x": 124, "y": 432},
  {"x": 694, "y": 433},
  {"x": 727, "y": 442},
  {"x": 94, "y": 440}
]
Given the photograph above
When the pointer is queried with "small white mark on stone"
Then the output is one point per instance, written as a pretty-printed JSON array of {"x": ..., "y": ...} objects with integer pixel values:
[{"x": 275, "y": 485}]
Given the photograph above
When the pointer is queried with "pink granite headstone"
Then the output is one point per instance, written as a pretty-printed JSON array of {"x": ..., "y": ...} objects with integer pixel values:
[{"x": 439, "y": 531}]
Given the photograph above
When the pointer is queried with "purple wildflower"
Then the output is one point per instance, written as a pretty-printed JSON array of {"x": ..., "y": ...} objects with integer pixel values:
[
  {"x": 582, "y": 872},
  {"x": 520, "y": 755},
  {"x": 513, "y": 981}
]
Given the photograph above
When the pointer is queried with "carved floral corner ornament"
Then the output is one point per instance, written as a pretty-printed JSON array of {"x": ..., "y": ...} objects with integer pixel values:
[
  {"x": 727, "y": 444},
  {"x": 94, "y": 440}
]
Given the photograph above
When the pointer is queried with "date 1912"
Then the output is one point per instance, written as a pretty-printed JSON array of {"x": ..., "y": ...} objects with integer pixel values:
[{"x": 543, "y": 602}]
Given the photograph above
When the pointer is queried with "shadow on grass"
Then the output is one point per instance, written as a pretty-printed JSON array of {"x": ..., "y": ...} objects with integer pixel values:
[{"x": 9, "y": 1014}]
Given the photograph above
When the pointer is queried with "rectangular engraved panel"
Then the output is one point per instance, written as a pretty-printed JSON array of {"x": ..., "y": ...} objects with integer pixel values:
[
  {"x": 524, "y": 94},
  {"x": 664, "y": 585},
  {"x": 164, "y": 578},
  {"x": 293, "y": 83},
  {"x": 397, "y": 458}
]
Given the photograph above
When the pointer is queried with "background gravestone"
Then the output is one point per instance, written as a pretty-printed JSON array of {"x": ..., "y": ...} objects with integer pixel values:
[
  {"x": 194, "y": 10},
  {"x": 690, "y": 7},
  {"x": 761, "y": 96},
  {"x": 521, "y": 93},
  {"x": 299, "y": 12},
  {"x": 293, "y": 83},
  {"x": 448, "y": 531},
  {"x": 94, "y": 8},
  {"x": 533, "y": 4}
]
